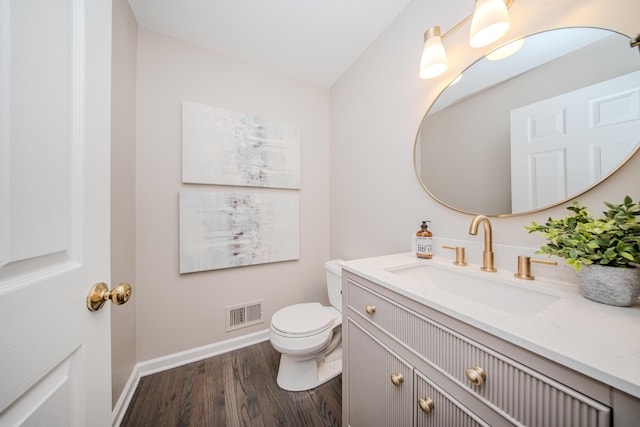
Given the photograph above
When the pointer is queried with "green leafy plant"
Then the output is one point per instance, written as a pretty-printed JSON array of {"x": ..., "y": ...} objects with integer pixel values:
[{"x": 612, "y": 240}]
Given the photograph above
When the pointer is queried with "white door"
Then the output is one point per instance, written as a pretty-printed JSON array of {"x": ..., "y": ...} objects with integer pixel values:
[
  {"x": 55, "y": 71},
  {"x": 564, "y": 144}
]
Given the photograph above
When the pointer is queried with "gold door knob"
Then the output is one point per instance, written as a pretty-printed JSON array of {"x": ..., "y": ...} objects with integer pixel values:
[
  {"x": 476, "y": 375},
  {"x": 397, "y": 379},
  {"x": 370, "y": 309},
  {"x": 100, "y": 293},
  {"x": 426, "y": 404}
]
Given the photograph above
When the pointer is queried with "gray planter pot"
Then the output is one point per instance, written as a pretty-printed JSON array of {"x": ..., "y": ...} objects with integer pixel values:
[{"x": 610, "y": 285}]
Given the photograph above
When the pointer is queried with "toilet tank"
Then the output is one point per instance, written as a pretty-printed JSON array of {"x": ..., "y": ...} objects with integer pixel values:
[{"x": 334, "y": 283}]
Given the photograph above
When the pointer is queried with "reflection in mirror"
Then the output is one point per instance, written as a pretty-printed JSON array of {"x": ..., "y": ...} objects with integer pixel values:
[{"x": 534, "y": 129}]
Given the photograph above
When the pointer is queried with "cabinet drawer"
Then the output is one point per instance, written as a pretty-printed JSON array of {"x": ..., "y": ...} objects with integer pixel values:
[{"x": 520, "y": 394}]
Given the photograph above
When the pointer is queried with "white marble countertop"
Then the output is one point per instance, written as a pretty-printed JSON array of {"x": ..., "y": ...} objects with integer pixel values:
[{"x": 598, "y": 340}]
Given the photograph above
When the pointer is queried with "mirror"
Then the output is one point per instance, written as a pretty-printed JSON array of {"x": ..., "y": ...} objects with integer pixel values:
[{"x": 535, "y": 129}]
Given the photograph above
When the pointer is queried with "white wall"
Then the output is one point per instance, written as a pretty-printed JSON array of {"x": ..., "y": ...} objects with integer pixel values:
[
  {"x": 376, "y": 108},
  {"x": 123, "y": 146},
  {"x": 180, "y": 312}
]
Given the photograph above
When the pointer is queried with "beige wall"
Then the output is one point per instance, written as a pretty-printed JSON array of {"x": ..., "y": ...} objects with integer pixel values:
[
  {"x": 376, "y": 108},
  {"x": 123, "y": 227},
  {"x": 180, "y": 312}
]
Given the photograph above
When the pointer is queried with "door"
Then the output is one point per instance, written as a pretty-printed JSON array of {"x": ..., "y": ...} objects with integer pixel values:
[
  {"x": 54, "y": 211},
  {"x": 564, "y": 144},
  {"x": 380, "y": 383}
]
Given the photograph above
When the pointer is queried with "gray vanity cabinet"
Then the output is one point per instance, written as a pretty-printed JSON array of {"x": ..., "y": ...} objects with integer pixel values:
[{"x": 454, "y": 374}]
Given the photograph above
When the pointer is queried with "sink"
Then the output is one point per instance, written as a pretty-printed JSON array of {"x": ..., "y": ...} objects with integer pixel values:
[{"x": 495, "y": 292}]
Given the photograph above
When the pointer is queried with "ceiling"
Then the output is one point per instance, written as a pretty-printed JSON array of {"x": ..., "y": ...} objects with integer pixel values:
[{"x": 315, "y": 41}]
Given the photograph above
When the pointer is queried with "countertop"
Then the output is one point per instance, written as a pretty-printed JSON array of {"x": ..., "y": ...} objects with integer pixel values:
[{"x": 597, "y": 340}]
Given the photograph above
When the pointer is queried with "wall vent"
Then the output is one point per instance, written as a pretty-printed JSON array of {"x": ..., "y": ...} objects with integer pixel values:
[{"x": 243, "y": 315}]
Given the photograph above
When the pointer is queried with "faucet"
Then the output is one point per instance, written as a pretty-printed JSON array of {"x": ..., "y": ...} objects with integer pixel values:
[{"x": 487, "y": 254}]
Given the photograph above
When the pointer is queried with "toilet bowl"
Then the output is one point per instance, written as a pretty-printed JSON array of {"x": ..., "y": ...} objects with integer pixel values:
[{"x": 309, "y": 338}]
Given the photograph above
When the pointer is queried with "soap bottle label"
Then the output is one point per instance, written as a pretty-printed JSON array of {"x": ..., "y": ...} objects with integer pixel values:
[{"x": 424, "y": 246}]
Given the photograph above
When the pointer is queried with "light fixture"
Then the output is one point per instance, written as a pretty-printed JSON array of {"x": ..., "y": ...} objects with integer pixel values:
[
  {"x": 489, "y": 22},
  {"x": 434, "y": 57}
]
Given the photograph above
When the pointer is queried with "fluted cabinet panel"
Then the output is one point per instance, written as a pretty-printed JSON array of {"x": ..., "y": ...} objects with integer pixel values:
[{"x": 374, "y": 399}]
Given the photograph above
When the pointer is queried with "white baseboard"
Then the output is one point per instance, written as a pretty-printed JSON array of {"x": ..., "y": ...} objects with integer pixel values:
[{"x": 178, "y": 359}]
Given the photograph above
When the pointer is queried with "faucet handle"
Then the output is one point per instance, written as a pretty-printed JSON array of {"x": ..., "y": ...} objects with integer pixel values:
[
  {"x": 524, "y": 266},
  {"x": 459, "y": 255}
]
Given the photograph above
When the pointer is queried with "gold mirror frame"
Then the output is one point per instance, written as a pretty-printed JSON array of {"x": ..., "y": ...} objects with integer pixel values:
[{"x": 456, "y": 177}]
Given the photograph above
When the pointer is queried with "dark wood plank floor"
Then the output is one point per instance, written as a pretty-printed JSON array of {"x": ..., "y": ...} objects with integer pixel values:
[{"x": 233, "y": 389}]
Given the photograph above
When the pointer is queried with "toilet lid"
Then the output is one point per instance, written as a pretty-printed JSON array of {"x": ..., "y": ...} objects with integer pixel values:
[{"x": 302, "y": 319}]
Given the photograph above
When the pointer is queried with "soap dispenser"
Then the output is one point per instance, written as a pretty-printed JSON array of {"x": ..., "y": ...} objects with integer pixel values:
[{"x": 424, "y": 242}]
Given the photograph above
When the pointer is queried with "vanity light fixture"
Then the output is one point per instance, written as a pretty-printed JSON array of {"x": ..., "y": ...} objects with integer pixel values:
[
  {"x": 434, "y": 57},
  {"x": 489, "y": 22}
]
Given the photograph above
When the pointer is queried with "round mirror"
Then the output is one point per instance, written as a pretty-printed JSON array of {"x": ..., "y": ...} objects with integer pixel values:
[{"x": 533, "y": 129}]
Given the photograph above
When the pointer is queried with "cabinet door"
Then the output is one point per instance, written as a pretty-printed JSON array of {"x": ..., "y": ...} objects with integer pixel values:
[
  {"x": 375, "y": 398},
  {"x": 435, "y": 408}
]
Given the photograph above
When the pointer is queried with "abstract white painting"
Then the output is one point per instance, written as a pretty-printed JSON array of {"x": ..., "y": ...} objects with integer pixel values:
[
  {"x": 229, "y": 148},
  {"x": 232, "y": 229}
]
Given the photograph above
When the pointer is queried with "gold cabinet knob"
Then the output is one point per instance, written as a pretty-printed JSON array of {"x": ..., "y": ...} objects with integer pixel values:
[
  {"x": 397, "y": 379},
  {"x": 426, "y": 404},
  {"x": 100, "y": 293},
  {"x": 476, "y": 375},
  {"x": 370, "y": 309}
]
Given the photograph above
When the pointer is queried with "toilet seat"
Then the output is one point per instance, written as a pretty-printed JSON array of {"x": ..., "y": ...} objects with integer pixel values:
[{"x": 302, "y": 320}]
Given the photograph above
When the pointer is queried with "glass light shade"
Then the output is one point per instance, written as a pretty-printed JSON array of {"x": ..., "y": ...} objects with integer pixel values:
[
  {"x": 505, "y": 51},
  {"x": 434, "y": 58},
  {"x": 490, "y": 22}
]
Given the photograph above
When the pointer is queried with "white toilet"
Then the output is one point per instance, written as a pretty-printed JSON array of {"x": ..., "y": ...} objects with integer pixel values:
[{"x": 309, "y": 336}]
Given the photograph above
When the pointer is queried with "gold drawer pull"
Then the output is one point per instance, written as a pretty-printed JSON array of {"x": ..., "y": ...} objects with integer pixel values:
[
  {"x": 426, "y": 404},
  {"x": 476, "y": 375},
  {"x": 370, "y": 309},
  {"x": 397, "y": 379}
]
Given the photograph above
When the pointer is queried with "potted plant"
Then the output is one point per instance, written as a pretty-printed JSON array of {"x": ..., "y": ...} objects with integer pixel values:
[{"x": 604, "y": 251}]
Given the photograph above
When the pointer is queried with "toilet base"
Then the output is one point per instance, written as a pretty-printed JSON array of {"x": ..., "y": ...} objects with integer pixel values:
[{"x": 295, "y": 374}]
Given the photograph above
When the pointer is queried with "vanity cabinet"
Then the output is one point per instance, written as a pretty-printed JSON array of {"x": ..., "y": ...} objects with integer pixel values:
[
  {"x": 387, "y": 391},
  {"x": 461, "y": 375}
]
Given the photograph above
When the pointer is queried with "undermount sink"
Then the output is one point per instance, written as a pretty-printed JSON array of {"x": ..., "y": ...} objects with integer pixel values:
[{"x": 494, "y": 292}]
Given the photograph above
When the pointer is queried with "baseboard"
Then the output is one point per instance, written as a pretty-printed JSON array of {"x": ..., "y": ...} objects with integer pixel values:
[
  {"x": 122, "y": 404},
  {"x": 178, "y": 359}
]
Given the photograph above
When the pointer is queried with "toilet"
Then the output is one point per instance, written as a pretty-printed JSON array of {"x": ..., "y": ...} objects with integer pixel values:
[{"x": 309, "y": 338}]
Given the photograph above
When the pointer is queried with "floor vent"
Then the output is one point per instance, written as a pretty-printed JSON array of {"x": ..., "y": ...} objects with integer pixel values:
[{"x": 243, "y": 315}]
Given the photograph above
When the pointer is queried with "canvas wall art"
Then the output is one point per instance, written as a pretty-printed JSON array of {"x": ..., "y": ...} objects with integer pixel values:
[
  {"x": 230, "y": 148},
  {"x": 221, "y": 229}
]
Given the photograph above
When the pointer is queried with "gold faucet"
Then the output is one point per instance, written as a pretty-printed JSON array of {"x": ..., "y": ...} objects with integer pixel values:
[{"x": 487, "y": 254}]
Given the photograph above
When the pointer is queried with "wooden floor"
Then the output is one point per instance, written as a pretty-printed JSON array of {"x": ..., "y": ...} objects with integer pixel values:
[{"x": 233, "y": 389}]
